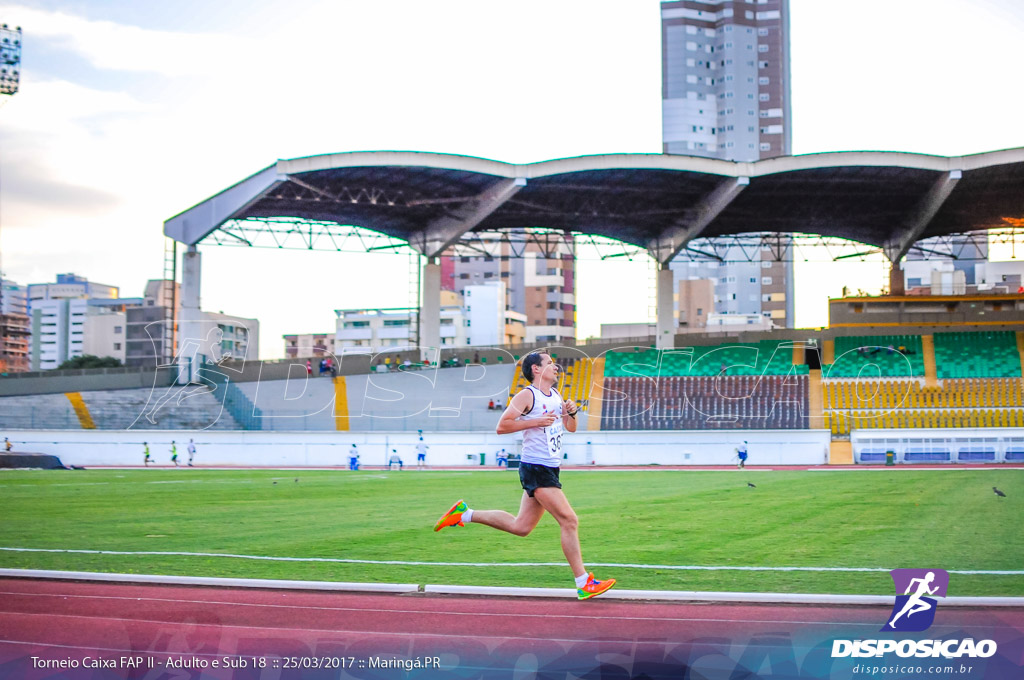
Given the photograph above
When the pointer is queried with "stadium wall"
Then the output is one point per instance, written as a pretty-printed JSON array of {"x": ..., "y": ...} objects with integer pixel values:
[
  {"x": 84, "y": 380},
  {"x": 330, "y": 449},
  {"x": 935, "y": 445}
]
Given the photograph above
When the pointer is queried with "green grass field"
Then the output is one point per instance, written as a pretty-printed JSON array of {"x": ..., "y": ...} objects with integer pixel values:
[{"x": 917, "y": 519}]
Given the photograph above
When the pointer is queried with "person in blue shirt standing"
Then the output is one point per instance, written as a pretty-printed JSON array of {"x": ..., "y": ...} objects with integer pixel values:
[{"x": 741, "y": 453}]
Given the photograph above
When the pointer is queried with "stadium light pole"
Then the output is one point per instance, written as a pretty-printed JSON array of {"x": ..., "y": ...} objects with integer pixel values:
[{"x": 10, "y": 77}]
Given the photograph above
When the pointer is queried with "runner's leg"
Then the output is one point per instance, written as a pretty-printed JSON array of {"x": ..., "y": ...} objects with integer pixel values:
[
  {"x": 554, "y": 501},
  {"x": 530, "y": 512}
]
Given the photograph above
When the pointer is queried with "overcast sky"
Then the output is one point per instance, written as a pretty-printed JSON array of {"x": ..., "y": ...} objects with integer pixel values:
[{"x": 130, "y": 112}]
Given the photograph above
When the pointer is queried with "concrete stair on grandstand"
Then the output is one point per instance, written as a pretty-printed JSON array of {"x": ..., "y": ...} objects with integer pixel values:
[
  {"x": 815, "y": 399},
  {"x": 296, "y": 405},
  {"x": 446, "y": 399},
  {"x": 596, "y": 392},
  {"x": 165, "y": 408},
  {"x": 38, "y": 412},
  {"x": 931, "y": 378}
]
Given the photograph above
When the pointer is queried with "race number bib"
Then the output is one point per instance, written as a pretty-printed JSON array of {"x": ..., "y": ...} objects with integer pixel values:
[{"x": 554, "y": 435}]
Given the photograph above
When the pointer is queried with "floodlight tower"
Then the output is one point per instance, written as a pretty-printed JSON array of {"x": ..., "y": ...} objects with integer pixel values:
[
  {"x": 10, "y": 59},
  {"x": 10, "y": 76}
]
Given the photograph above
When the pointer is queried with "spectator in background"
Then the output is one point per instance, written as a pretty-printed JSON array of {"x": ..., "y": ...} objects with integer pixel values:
[
  {"x": 395, "y": 458},
  {"x": 353, "y": 458},
  {"x": 323, "y": 366},
  {"x": 502, "y": 458},
  {"x": 490, "y": 405},
  {"x": 421, "y": 455},
  {"x": 476, "y": 357},
  {"x": 191, "y": 451},
  {"x": 309, "y": 368}
]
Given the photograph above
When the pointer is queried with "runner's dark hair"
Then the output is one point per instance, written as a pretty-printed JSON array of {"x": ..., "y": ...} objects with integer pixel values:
[{"x": 529, "y": 361}]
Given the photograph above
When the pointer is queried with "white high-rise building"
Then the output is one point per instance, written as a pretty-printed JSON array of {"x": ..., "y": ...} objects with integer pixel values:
[
  {"x": 726, "y": 95},
  {"x": 725, "y": 79}
]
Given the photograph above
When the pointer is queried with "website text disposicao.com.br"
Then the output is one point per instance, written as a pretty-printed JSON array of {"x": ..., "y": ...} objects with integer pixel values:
[
  {"x": 917, "y": 649},
  {"x": 902, "y": 670}
]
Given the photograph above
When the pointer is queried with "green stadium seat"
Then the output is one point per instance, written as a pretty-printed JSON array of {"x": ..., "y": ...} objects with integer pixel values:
[
  {"x": 988, "y": 354},
  {"x": 869, "y": 357}
]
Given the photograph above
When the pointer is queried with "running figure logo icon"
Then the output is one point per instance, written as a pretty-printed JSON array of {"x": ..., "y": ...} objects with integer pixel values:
[{"x": 914, "y": 610}]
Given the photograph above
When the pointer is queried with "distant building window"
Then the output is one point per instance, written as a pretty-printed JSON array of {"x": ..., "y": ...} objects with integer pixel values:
[
  {"x": 463, "y": 276},
  {"x": 700, "y": 311},
  {"x": 117, "y": 346},
  {"x": 118, "y": 329},
  {"x": 766, "y": 280}
]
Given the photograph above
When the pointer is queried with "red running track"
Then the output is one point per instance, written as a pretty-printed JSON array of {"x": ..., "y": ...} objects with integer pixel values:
[{"x": 368, "y": 635}]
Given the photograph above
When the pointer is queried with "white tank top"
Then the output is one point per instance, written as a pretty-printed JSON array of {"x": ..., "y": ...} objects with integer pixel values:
[{"x": 543, "y": 446}]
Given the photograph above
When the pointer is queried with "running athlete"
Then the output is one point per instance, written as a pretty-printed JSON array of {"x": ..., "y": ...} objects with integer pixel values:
[
  {"x": 540, "y": 414},
  {"x": 174, "y": 454},
  {"x": 146, "y": 451},
  {"x": 191, "y": 451}
]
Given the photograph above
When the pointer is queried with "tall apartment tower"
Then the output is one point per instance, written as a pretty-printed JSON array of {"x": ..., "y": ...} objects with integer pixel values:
[
  {"x": 726, "y": 95},
  {"x": 725, "y": 79}
]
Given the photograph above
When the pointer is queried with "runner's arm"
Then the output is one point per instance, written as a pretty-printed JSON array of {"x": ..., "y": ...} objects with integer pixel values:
[
  {"x": 517, "y": 407},
  {"x": 569, "y": 422}
]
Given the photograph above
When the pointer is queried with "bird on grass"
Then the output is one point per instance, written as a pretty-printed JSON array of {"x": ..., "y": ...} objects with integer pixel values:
[
  {"x": 998, "y": 492},
  {"x": 275, "y": 482},
  {"x": 752, "y": 486},
  {"x": 296, "y": 480}
]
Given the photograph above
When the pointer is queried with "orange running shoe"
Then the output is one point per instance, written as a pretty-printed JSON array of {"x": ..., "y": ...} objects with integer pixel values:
[
  {"x": 594, "y": 587},
  {"x": 453, "y": 516}
]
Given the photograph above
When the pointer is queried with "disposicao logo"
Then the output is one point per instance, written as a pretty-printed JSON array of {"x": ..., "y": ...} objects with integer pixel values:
[{"x": 913, "y": 612}]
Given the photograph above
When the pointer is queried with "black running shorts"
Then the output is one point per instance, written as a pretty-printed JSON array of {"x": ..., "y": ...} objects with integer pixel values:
[{"x": 534, "y": 477}]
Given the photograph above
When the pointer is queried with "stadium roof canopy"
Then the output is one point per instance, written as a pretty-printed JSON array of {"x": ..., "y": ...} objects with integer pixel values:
[{"x": 659, "y": 202}]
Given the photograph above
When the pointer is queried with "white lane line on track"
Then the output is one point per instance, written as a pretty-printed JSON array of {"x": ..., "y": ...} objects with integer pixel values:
[
  {"x": 155, "y": 652},
  {"x": 911, "y": 467},
  {"x": 339, "y": 560},
  {"x": 430, "y": 612},
  {"x": 501, "y": 637}
]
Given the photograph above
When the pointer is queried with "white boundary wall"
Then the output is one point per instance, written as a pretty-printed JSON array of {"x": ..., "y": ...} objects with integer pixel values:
[
  {"x": 953, "y": 440},
  {"x": 315, "y": 449}
]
